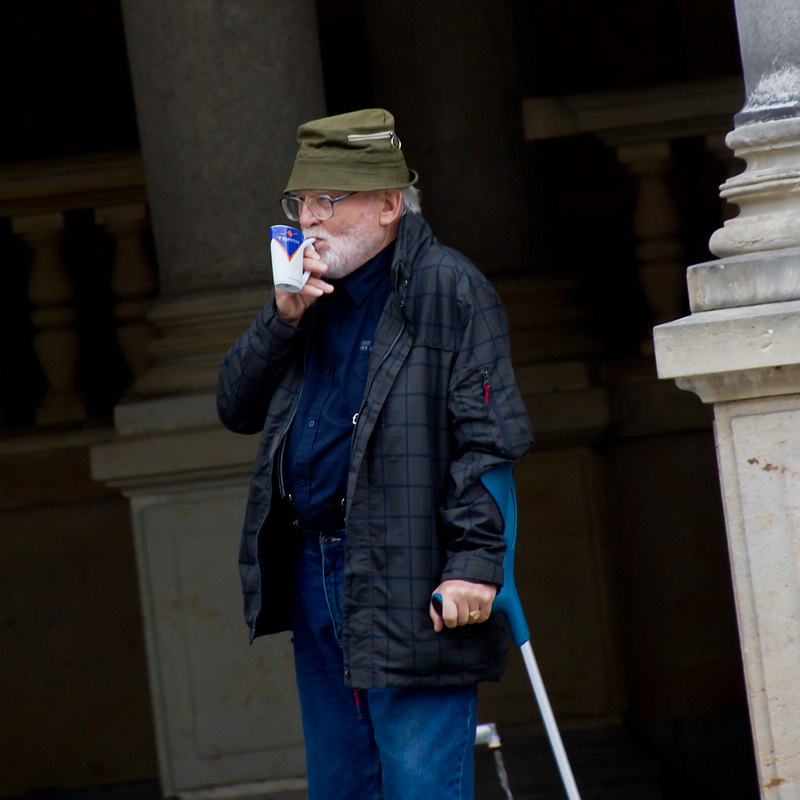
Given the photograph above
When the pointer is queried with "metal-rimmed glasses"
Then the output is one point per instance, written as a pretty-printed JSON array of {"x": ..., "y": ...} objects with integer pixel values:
[{"x": 321, "y": 206}]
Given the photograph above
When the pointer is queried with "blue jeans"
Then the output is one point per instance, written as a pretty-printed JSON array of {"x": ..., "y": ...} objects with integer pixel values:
[{"x": 378, "y": 744}]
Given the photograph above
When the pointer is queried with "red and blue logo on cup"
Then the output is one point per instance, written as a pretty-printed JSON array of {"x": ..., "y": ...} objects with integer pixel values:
[{"x": 287, "y": 237}]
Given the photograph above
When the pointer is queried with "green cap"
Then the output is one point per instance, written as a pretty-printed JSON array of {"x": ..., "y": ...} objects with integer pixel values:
[{"x": 354, "y": 152}]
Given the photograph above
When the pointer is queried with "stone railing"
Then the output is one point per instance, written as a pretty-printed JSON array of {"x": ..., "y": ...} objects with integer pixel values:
[
  {"x": 642, "y": 126},
  {"x": 79, "y": 228}
]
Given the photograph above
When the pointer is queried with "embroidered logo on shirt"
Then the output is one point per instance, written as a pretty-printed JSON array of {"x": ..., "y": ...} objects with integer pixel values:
[{"x": 365, "y": 346}]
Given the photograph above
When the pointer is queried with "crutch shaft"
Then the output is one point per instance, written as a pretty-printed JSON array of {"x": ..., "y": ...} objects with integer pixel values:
[{"x": 549, "y": 721}]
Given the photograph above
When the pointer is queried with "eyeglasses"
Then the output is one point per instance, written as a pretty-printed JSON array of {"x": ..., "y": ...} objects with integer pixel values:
[{"x": 321, "y": 206}]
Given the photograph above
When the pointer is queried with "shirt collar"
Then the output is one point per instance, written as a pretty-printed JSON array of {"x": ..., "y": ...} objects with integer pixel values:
[{"x": 363, "y": 281}]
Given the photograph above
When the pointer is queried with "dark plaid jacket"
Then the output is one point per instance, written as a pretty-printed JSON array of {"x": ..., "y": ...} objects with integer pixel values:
[{"x": 440, "y": 407}]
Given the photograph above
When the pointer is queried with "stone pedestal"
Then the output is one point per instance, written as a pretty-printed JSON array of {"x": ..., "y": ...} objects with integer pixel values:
[
  {"x": 757, "y": 427},
  {"x": 225, "y": 713},
  {"x": 759, "y": 466},
  {"x": 739, "y": 350}
]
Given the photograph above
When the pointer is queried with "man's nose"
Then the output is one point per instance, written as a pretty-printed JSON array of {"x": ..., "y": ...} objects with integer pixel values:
[{"x": 307, "y": 219}]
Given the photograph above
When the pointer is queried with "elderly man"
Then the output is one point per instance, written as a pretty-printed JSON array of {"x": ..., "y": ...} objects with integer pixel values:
[{"x": 383, "y": 390}]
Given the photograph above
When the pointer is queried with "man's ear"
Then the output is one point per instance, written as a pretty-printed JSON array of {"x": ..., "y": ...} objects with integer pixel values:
[{"x": 391, "y": 206}]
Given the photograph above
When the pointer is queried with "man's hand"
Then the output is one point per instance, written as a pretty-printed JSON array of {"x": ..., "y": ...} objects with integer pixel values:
[
  {"x": 292, "y": 306},
  {"x": 463, "y": 603}
]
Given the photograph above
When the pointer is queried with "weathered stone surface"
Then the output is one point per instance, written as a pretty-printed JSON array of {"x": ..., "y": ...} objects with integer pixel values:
[
  {"x": 739, "y": 350},
  {"x": 225, "y": 713},
  {"x": 760, "y": 468},
  {"x": 771, "y": 57},
  {"x": 745, "y": 280},
  {"x": 729, "y": 340},
  {"x": 767, "y": 192}
]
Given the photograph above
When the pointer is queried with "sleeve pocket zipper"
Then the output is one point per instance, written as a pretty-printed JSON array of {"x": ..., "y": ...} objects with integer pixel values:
[{"x": 489, "y": 399}]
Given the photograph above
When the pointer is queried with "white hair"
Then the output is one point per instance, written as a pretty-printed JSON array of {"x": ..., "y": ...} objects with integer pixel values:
[
  {"x": 409, "y": 197},
  {"x": 411, "y": 200}
]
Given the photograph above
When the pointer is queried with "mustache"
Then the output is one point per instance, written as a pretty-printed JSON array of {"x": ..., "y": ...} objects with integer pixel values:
[{"x": 315, "y": 230}]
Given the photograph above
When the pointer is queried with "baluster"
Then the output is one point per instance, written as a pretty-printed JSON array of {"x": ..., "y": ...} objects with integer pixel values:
[
  {"x": 662, "y": 273},
  {"x": 55, "y": 341},
  {"x": 133, "y": 280}
]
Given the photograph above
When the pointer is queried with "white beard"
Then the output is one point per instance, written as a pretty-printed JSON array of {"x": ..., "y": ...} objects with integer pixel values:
[{"x": 344, "y": 252}]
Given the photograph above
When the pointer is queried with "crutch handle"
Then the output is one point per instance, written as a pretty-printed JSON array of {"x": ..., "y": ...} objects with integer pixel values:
[{"x": 499, "y": 482}]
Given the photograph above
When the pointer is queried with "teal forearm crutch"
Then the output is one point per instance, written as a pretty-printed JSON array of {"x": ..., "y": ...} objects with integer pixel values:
[{"x": 499, "y": 482}]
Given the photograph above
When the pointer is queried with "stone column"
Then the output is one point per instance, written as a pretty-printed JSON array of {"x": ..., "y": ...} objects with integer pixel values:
[
  {"x": 739, "y": 350},
  {"x": 220, "y": 89},
  {"x": 468, "y": 143}
]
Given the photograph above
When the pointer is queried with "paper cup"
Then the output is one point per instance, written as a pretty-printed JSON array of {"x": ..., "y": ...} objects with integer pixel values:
[{"x": 287, "y": 246}]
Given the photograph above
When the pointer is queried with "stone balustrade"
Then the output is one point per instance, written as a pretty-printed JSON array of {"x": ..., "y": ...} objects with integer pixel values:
[
  {"x": 62, "y": 212},
  {"x": 642, "y": 126}
]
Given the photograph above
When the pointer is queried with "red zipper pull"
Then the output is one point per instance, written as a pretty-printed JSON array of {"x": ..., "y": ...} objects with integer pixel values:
[
  {"x": 486, "y": 385},
  {"x": 358, "y": 703}
]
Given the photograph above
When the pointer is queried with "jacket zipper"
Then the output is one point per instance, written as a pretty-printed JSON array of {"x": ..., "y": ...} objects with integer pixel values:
[
  {"x": 281, "y": 482},
  {"x": 282, "y": 490},
  {"x": 386, "y": 355},
  {"x": 281, "y": 487},
  {"x": 357, "y": 415}
]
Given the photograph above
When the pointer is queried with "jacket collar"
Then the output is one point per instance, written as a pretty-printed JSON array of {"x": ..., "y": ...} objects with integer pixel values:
[{"x": 414, "y": 235}]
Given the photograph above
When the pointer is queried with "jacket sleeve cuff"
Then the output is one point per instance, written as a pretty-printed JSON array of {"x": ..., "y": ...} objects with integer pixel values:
[
  {"x": 473, "y": 567},
  {"x": 275, "y": 325}
]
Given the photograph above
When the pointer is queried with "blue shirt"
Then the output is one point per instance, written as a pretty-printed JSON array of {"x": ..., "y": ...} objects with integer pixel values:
[{"x": 317, "y": 453}]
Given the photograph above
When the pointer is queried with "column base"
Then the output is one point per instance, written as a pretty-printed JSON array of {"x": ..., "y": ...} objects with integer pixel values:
[{"x": 193, "y": 336}]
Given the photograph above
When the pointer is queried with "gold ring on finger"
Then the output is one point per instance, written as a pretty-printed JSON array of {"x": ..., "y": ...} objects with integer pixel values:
[{"x": 476, "y": 614}]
